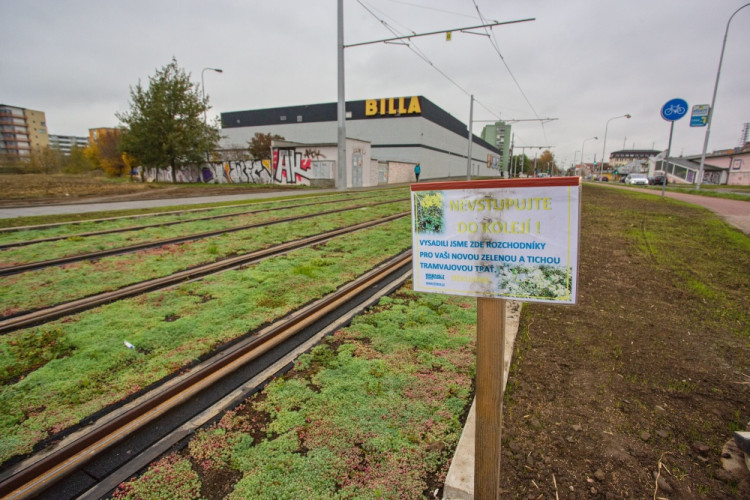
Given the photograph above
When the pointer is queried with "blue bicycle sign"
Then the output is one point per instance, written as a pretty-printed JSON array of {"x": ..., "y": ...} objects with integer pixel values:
[{"x": 674, "y": 110}]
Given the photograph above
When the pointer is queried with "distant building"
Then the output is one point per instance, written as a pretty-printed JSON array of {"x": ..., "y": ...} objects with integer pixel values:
[
  {"x": 398, "y": 130},
  {"x": 731, "y": 167},
  {"x": 498, "y": 134},
  {"x": 21, "y": 132},
  {"x": 625, "y": 157},
  {"x": 64, "y": 143}
]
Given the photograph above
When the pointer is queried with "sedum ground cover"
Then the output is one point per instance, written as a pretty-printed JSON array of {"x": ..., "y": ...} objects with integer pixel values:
[
  {"x": 372, "y": 412},
  {"x": 53, "y": 285},
  {"x": 78, "y": 245},
  {"x": 56, "y": 374}
]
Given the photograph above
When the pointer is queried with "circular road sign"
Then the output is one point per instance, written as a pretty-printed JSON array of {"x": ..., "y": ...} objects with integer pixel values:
[{"x": 674, "y": 110}]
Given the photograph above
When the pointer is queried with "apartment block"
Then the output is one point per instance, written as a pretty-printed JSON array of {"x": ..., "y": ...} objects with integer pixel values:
[
  {"x": 21, "y": 132},
  {"x": 64, "y": 143}
]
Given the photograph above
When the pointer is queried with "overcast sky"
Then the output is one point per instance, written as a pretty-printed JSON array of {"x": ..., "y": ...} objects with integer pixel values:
[{"x": 581, "y": 62}]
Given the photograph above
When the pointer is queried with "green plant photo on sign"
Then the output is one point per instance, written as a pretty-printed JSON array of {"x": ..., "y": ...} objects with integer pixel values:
[
  {"x": 430, "y": 216},
  {"x": 548, "y": 282}
]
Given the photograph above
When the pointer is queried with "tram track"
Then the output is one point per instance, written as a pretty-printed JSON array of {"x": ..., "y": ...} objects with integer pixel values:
[
  {"x": 40, "y": 316},
  {"x": 92, "y": 461},
  {"x": 11, "y": 270},
  {"x": 50, "y": 239}
]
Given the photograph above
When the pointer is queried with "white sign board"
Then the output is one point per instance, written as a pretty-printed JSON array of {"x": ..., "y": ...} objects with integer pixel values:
[{"x": 514, "y": 239}]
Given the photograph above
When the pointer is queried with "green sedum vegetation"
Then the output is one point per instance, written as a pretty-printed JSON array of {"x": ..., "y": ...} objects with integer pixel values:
[
  {"x": 49, "y": 286},
  {"x": 372, "y": 412}
]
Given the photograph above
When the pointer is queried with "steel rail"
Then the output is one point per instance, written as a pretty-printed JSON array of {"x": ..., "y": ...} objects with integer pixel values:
[
  {"x": 33, "y": 478},
  {"x": 10, "y": 270},
  {"x": 50, "y": 313},
  {"x": 140, "y": 216},
  {"x": 16, "y": 244}
]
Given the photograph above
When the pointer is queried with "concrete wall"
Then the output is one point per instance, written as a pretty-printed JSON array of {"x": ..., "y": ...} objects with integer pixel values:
[
  {"x": 441, "y": 152},
  {"x": 738, "y": 165}
]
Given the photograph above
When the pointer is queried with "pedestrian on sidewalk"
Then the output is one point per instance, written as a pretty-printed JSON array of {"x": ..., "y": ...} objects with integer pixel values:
[{"x": 417, "y": 171}]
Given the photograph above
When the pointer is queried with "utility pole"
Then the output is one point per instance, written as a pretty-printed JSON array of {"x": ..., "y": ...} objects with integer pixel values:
[
  {"x": 471, "y": 139},
  {"x": 341, "y": 108}
]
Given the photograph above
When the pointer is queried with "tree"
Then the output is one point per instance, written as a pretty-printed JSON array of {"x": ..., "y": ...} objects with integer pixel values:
[
  {"x": 45, "y": 160},
  {"x": 164, "y": 126},
  {"x": 523, "y": 163},
  {"x": 104, "y": 151},
  {"x": 77, "y": 162},
  {"x": 546, "y": 162},
  {"x": 260, "y": 145}
]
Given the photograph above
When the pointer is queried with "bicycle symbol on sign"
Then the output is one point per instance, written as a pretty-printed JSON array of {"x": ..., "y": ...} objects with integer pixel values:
[{"x": 677, "y": 109}]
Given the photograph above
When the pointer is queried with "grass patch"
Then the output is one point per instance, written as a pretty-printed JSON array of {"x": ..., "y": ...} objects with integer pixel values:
[
  {"x": 100, "y": 370},
  {"x": 49, "y": 286}
]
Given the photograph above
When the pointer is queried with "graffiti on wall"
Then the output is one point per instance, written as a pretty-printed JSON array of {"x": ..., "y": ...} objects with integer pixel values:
[
  {"x": 225, "y": 172},
  {"x": 290, "y": 167},
  {"x": 287, "y": 167}
]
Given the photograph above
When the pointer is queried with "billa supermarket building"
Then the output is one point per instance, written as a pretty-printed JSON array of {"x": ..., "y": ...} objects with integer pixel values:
[{"x": 385, "y": 139}]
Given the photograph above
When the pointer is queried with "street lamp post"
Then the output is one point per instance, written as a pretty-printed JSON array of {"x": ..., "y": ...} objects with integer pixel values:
[
  {"x": 203, "y": 96},
  {"x": 203, "y": 89},
  {"x": 604, "y": 146},
  {"x": 713, "y": 100},
  {"x": 582, "y": 146}
]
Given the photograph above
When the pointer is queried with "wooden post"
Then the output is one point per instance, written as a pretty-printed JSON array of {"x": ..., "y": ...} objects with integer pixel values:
[{"x": 489, "y": 395}]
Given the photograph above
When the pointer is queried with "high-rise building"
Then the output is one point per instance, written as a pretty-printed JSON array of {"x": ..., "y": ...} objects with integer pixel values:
[
  {"x": 498, "y": 134},
  {"x": 64, "y": 143},
  {"x": 21, "y": 132}
]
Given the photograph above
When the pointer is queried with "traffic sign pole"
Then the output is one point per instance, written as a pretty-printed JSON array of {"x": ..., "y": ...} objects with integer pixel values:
[{"x": 672, "y": 111}]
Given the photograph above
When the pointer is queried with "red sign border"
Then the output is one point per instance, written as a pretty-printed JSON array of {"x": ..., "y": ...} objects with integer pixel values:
[{"x": 498, "y": 183}]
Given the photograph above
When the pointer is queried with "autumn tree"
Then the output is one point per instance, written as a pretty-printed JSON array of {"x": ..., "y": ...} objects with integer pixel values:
[
  {"x": 104, "y": 152},
  {"x": 260, "y": 145},
  {"x": 77, "y": 162},
  {"x": 164, "y": 126},
  {"x": 45, "y": 160},
  {"x": 546, "y": 162}
]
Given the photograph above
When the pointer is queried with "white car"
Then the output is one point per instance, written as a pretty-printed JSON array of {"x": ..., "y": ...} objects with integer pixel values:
[{"x": 641, "y": 179}]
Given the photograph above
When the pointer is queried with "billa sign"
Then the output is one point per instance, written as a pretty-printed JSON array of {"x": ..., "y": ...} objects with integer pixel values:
[
  {"x": 393, "y": 106},
  {"x": 513, "y": 239}
]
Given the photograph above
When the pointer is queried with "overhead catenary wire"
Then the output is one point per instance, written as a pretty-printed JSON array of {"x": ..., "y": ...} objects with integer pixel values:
[
  {"x": 496, "y": 47},
  {"x": 418, "y": 52}
]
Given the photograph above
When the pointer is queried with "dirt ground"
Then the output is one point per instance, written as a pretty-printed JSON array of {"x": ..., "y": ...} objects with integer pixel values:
[{"x": 638, "y": 385}]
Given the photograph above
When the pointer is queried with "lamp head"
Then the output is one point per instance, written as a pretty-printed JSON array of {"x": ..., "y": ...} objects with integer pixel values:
[{"x": 627, "y": 116}]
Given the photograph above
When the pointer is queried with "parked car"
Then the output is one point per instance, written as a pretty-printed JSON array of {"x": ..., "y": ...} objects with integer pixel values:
[
  {"x": 640, "y": 179},
  {"x": 658, "y": 180}
]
